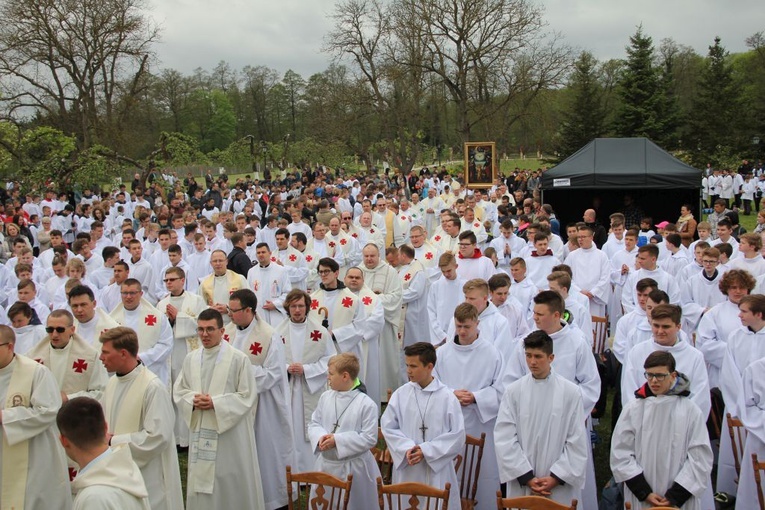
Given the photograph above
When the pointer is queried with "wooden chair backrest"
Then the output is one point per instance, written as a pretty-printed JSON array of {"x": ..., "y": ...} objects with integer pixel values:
[
  {"x": 737, "y": 438},
  {"x": 758, "y": 466},
  {"x": 531, "y": 503},
  {"x": 599, "y": 334},
  {"x": 412, "y": 496},
  {"x": 382, "y": 457},
  {"x": 469, "y": 470},
  {"x": 317, "y": 490}
]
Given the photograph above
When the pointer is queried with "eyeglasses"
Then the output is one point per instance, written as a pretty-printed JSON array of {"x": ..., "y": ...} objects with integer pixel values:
[
  {"x": 232, "y": 310},
  {"x": 657, "y": 377},
  {"x": 130, "y": 292},
  {"x": 709, "y": 261},
  {"x": 58, "y": 329},
  {"x": 168, "y": 280},
  {"x": 324, "y": 272},
  {"x": 209, "y": 330},
  {"x": 6, "y": 343}
]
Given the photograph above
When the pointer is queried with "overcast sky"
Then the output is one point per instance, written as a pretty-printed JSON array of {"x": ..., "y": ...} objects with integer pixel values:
[{"x": 288, "y": 34}]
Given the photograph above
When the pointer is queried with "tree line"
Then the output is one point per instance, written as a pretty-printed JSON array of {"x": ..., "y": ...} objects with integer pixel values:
[{"x": 84, "y": 96}]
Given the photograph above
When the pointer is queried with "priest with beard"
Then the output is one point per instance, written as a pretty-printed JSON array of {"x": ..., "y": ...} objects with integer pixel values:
[
  {"x": 384, "y": 281},
  {"x": 308, "y": 347}
]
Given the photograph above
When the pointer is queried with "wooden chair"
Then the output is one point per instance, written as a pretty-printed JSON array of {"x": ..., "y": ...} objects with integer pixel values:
[
  {"x": 737, "y": 438},
  {"x": 470, "y": 470},
  {"x": 417, "y": 496},
  {"x": 531, "y": 503},
  {"x": 758, "y": 466},
  {"x": 317, "y": 486},
  {"x": 599, "y": 334},
  {"x": 382, "y": 457}
]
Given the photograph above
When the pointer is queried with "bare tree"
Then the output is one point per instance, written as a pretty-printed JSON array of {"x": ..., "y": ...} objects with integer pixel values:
[
  {"x": 80, "y": 64},
  {"x": 362, "y": 33},
  {"x": 490, "y": 54}
]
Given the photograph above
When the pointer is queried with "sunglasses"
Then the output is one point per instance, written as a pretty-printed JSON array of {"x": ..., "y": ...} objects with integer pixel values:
[{"x": 59, "y": 329}]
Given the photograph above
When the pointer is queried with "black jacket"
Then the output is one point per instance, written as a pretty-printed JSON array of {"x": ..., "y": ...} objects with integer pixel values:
[{"x": 239, "y": 262}]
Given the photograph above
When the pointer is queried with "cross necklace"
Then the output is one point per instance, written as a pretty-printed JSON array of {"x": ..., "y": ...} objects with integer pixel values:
[
  {"x": 423, "y": 428},
  {"x": 336, "y": 425}
]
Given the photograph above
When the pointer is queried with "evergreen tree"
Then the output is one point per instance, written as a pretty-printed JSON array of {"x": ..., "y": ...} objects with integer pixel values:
[
  {"x": 584, "y": 118},
  {"x": 668, "y": 107},
  {"x": 716, "y": 112},
  {"x": 640, "y": 92}
]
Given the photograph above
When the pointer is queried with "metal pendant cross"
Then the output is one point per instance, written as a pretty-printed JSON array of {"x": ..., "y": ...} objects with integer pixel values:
[{"x": 423, "y": 428}]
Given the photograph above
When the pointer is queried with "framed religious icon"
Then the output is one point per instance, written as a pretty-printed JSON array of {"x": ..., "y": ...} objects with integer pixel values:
[{"x": 481, "y": 165}]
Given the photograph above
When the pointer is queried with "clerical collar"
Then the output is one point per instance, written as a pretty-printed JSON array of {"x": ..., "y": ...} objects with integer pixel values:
[
  {"x": 138, "y": 364},
  {"x": 134, "y": 261},
  {"x": 710, "y": 278},
  {"x": 177, "y": 295},
  {"x": 242, "y": 328}
]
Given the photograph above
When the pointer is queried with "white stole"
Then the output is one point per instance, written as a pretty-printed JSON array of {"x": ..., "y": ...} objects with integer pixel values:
[
  {"x": 16, "y": 456},
  {"x": 203, "y": 443}
]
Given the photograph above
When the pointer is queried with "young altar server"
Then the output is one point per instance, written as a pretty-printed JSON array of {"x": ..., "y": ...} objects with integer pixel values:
[
  {"x": 343, "y": 429},
  {"x": 216, "y": 393},
  {"x": 660, "y": 446},
  {"x": 540, "y": 434},
  {"x": 478, "y": 391},
  {"x": 108, "y": 477},
  {"x": 423, "y": 425}
]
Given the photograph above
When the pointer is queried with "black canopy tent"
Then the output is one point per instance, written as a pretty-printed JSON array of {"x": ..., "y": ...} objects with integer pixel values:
[{"x": 604, "y": 171}]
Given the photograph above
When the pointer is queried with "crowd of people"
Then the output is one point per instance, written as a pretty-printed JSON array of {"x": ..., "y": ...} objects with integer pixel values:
[{"x": 260, "y": 325}]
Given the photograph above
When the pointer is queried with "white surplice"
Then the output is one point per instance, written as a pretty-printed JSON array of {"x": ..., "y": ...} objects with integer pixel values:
[
  {"x": 443, "y": 297},
  {"x": 744, "y": 347},
  {"x": 237, "y": 482},
  {"x": 712, "y": 335},
  {"x": 152, "y": 446},
  {"x": 592, "y": 272},
  {"x": 384, "y": 281},
  {"x": 273, "y": 425},
  {"x": 480, "y": 416},
  {"x": 351, "y": 416},
  {"x": 313, "y": 382},
  {"x": 752, "y": 405},
  {"x": 688, "y": 360},
  {"x": 666, "y": 283},
  {"x": 492, "y": 327},
  {"x": 541, "y": 429},
  {"x": 574, "y": 362},
  {"x": 47, "y": 480},
  {"x": 270, "y": 283},
  {"x": 664, "y": 438},
  {"x": 697, "y": 294},
  {"x": 111, "y": 481},
  {"x": 433, "y": 412}
]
